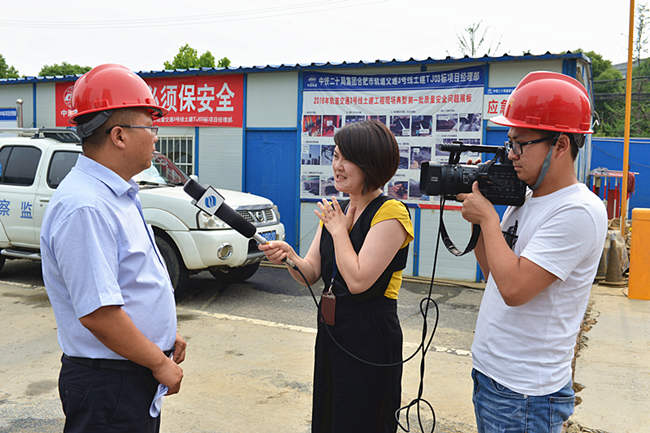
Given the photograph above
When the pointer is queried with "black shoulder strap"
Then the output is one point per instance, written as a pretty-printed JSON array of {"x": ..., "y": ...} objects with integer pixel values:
[{"x": 476, "y": 231}]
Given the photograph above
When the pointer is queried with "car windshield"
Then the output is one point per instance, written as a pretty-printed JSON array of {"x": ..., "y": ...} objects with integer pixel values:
[{"x": 161, "y": 172}]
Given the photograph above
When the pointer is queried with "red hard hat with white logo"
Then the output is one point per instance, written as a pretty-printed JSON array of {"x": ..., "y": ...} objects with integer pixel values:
[
  {"x": 548, "y": 101},
  {"x": 109, "y": 87}
]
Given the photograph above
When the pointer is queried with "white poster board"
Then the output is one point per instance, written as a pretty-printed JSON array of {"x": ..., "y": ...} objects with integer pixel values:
[{"x": 423, "y": 110}]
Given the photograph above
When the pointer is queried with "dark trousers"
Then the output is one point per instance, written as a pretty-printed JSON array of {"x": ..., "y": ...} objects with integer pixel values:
[{"x": 107, "y": 398}]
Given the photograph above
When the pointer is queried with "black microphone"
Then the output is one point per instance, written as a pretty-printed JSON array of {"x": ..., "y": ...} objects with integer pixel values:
[{"x": 212, "y": 203}]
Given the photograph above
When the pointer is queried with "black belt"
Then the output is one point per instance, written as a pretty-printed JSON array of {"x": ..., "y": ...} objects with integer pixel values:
[{"x": 111, "y": 364}]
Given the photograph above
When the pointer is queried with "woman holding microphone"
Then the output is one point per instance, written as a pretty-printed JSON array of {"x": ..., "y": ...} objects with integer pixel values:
[{"x": 359, "y": 250}]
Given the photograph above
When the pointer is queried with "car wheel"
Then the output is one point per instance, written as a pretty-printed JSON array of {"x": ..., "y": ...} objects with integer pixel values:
[
  {"x": 173, "y": 261},
  {"x": 2, "y": 261},
  {"x": 236, "y": 275}
]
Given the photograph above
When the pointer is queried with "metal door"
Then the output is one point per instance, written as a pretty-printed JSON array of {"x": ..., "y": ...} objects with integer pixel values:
[{"x": 271, "y": 171}]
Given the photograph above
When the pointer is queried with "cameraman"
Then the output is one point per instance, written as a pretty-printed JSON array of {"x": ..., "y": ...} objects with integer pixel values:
[{"x": 540, "y": 262}]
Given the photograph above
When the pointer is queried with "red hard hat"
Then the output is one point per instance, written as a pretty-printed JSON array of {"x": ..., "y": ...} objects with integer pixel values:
[
  {"x": 109, "y": 87},
  {"x": 548, "y": 101}
]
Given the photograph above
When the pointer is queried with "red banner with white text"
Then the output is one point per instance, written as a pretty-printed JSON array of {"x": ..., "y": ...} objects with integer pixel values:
[
  {"x": 63, "y": 102},
  {"x": 209, "y": 100}
]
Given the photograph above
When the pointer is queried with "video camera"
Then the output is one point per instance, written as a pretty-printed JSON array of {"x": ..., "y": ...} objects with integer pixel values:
[{"x": 497, "y": 179}]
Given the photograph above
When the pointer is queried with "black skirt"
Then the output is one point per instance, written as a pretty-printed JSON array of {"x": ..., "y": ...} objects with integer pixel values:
[{"x": 350, "y": 396}]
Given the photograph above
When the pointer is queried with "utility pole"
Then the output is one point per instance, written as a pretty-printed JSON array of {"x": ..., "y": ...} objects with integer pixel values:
[{"x": 628, "y": 114}]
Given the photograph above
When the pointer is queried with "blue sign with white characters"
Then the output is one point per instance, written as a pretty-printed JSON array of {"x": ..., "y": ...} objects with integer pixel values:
[
  {"x": 459, "y": 78},
  {"x": 499, "y": 90},
  {"x": 8, "y": 114}
]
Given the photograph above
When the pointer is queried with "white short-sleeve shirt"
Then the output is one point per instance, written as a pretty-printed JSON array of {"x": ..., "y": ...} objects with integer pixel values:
[
  {"x": 529, "y": 348},
  {"x": 96, "y": 251}
]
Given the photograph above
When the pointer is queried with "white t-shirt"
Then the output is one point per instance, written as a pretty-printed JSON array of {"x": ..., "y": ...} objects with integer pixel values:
[{"x": 529, "y": 348}]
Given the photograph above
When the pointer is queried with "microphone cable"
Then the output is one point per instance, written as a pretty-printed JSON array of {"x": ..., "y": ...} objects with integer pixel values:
[{"x": 423, "y": 347}]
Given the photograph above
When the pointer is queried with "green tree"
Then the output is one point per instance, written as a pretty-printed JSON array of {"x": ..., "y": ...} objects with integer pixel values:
[
  {"x": 64, "y": 68},
  {"x": 640, "y": 119},
  {"x": 7, "y": 71},
  {"x": 598, "y": 64},
  {"x": 641, "y": 41},
  {"x": 206, "y": 60},
  {"x": 609, "y": 95},
  {"x": 474, "y": 39},
  {"x": 609, "y": 102},
  {"x": 188, "y": 57},
  {"x": 224, "y": 62},
  {"x": 609, "y": 81}
]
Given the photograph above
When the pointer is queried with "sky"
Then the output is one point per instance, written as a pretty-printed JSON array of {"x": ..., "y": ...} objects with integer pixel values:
[{"x": 143, "y": 34}]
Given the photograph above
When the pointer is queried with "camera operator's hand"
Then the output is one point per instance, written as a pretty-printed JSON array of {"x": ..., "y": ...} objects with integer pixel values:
[
  {"x": 476, "y": 208},
  {"x": 333, "y": 217}
]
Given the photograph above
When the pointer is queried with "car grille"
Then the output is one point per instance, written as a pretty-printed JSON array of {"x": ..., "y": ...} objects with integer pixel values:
[{"x": 258, "y": 216}]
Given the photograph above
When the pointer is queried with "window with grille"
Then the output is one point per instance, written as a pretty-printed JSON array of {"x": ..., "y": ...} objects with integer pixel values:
[{"x": 180, "y": 149}]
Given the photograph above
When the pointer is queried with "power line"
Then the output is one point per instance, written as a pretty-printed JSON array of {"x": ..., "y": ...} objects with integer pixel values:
[
  {"x": 619, "y": 96},
  {"x": 645, "y": 77},
  {"x": 196, "y": 19}
]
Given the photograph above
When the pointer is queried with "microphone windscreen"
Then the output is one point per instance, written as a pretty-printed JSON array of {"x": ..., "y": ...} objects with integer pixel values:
[
  {"x": 236, "y": 221},
  {"x": 194, "y": 189}
]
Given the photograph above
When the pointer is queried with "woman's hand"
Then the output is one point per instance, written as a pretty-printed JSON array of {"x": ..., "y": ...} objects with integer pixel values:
[
  {"x": 333, "y": 217},
  {"x": 277, "y": 251}
]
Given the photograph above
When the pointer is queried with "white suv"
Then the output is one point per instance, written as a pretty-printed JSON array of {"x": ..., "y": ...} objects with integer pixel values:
[{"x": 33, "y": 163}]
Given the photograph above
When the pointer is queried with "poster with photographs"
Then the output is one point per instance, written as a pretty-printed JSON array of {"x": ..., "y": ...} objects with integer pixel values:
[{"x": 423, "y": 110}]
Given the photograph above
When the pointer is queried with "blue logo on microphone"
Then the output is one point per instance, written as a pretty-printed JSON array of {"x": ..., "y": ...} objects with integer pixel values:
[{"x": 211, "y": 201}]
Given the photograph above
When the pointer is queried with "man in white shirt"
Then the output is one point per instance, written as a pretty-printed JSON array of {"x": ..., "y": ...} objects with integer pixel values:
[
  {"x": 106, "y": 280},
  {"x": 540, "y": 274}
]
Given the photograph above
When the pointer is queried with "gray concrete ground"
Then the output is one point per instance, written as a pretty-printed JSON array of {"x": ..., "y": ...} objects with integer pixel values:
[
  {"x": 244, "y": 374},
  {"x": 614, "y": 366},
  {"x": 241, "y": 374}
]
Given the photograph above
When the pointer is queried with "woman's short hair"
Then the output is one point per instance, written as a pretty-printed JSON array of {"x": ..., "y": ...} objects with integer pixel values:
[{"x": 371, "y": 146}]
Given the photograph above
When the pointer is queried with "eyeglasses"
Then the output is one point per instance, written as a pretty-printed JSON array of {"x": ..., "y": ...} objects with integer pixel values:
[
  {"x": 517, "y": 147},
  {"x": 152, "y": 129}
]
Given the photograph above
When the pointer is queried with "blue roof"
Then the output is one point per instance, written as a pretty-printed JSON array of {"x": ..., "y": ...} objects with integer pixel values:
[{"x": 315, "y": 65}]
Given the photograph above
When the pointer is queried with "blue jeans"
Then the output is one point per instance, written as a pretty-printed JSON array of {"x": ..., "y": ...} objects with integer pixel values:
[{"x": 501, "y": 410}]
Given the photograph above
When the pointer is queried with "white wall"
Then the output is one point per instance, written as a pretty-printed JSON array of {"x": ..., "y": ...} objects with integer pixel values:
[
  {"x": 45, "y": 108},
  {"x": 176, "y": 130},
  {"x": 8, "y": 95},
  {"x": 508, "y": 74},
  {"x": 272, "y": 99},
  {"x": 220, "y": 154},
  {"x": 308, "y": 226},
  {"x": 449, "y": 266},
  {"x": 220, "y": 157}
]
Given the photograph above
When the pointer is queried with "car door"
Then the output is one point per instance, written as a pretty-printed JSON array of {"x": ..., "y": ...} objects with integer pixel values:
[
  {"x": 18, "y": 169},
  {"x": 59, "y": 166}
]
